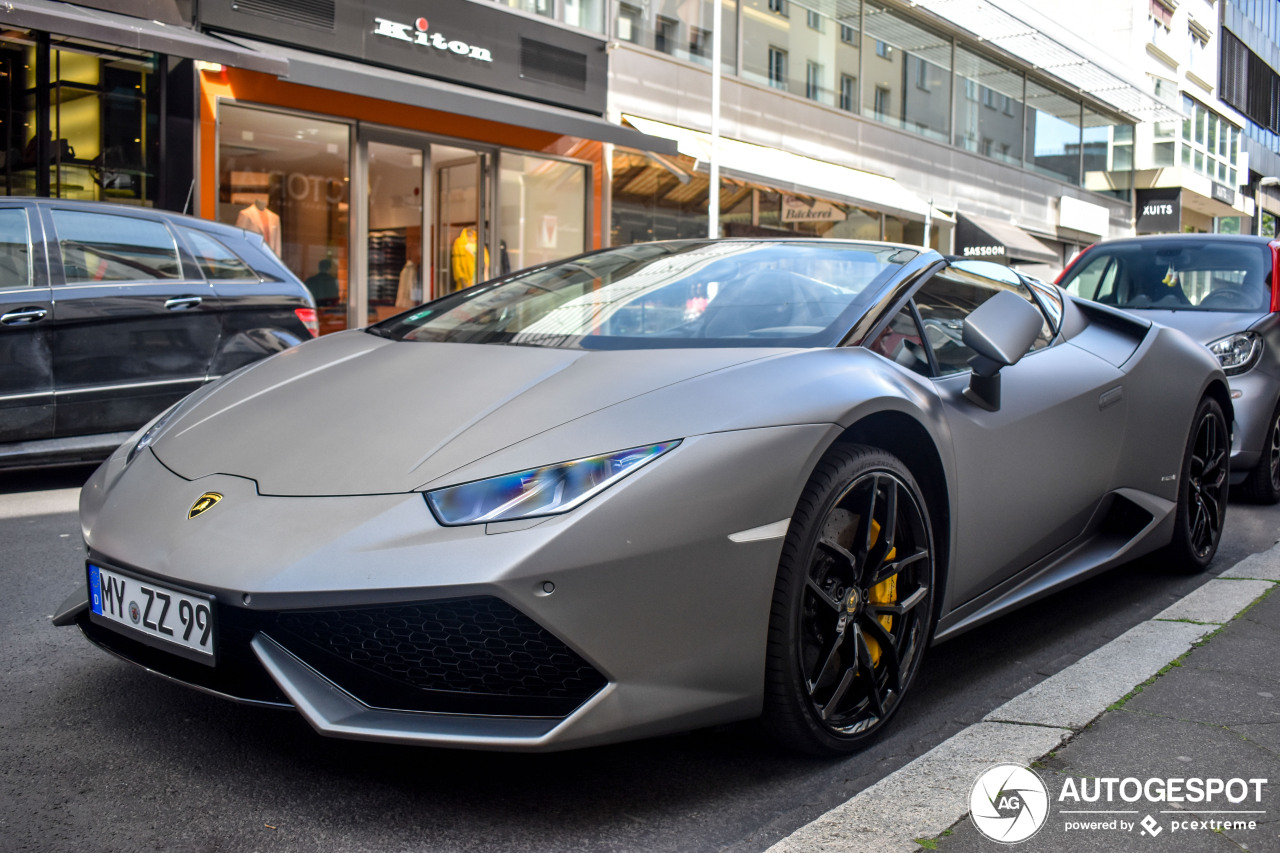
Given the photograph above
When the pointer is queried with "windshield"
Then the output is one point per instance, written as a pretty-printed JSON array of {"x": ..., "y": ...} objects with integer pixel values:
[
  {"x": 1180, "y": 274},
  {"x": 731, "y": 293}
]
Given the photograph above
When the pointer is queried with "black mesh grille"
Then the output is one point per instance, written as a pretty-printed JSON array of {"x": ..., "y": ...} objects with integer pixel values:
[
  {"x": 316, "y": 13},
  {"x": 548, "y": 63},
  {"x": 464, "y": 655}
]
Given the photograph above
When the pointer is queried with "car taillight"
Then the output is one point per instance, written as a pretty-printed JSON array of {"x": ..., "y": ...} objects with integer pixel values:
[
  {"x": 308, "y": 318},
  {"x": 1275, "y": 275},
  {"x": 1062, "y": 275}
]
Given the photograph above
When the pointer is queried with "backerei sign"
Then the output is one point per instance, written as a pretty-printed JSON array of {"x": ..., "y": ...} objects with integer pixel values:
[
  {"x": 1160, "y": 210},
  {"x": 473, "y": 44}
]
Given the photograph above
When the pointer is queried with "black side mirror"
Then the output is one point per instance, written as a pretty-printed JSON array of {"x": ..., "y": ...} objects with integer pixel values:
[{"x": 1000, "y": 331}]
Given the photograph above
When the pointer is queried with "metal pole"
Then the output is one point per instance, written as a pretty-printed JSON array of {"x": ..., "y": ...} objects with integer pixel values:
[{"x": 713, "y": 198}]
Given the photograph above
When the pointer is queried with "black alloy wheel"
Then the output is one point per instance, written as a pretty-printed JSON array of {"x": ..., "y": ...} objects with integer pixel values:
[
  {"x": 1263, "y": 483},
  {"x": 853, "y": 604},
  {"x": 1202, "y": 489}
]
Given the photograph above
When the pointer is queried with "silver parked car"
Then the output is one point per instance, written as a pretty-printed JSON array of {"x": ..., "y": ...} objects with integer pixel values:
[
  {"x": 1221, "y": 290},
  {"x": 647, "y": 489}
]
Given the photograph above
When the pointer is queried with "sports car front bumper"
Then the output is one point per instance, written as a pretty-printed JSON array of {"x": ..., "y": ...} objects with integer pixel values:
[{"x": 633, "y": 615}]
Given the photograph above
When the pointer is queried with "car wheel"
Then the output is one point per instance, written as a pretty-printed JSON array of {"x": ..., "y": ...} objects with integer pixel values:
[
  {"x": 1263, "y": 483},
  {"x": 1202, "y": 489},
  {"x": 853, "y": 603}
]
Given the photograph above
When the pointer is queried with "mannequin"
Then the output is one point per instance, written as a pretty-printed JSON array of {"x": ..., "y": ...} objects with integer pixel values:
[
  {"x": 464, "y": 259},
  {"x": 405, "y": 297},
  {"x": 258, "y": 219}
]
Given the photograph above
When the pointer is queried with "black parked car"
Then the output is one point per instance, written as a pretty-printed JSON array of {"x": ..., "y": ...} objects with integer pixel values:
[{"x": 109, "y": 314}]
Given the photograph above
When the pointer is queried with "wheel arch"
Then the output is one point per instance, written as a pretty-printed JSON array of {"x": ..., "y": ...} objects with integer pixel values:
[
  {"x": 906, "y": 438},
  {"x": 1217, "y": 389}
]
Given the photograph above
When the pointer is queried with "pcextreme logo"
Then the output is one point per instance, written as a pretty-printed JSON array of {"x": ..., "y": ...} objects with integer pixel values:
[{"x": 418, "y": 33}]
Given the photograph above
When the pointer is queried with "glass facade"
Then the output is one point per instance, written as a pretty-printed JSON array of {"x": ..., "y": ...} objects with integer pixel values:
[
  {"x": 541, "y": 210},
  {"x": 588, "y": 14},
  {"x": 878, "y": 62},
  {"x": 680, "y": 28},
  {"x": 80, "y": 120}
]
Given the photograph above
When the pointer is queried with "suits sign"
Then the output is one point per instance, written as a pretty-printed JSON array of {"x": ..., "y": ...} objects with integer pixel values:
[{"x": 1160, "y": 210}]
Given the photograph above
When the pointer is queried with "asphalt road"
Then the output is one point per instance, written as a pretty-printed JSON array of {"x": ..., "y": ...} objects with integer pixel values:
[{"x": 96, "y": 754}]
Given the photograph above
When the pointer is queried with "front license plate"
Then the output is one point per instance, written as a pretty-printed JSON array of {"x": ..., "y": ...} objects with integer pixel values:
[{"x": 177, "y": 621}]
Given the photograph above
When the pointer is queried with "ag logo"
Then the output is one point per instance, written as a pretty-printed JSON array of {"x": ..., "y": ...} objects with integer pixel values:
[
  {"x": 1009, "y": 803},
  {"x": 203, "y": 503}
]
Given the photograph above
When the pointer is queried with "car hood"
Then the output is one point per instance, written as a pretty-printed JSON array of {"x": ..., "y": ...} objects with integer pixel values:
[
  {"x": 1203, "y": 326},
  {"x": 357, "y": 414}
]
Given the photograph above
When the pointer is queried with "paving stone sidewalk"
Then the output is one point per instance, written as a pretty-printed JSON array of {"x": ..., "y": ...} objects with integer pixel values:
[{"x": 1213, "y": 713}]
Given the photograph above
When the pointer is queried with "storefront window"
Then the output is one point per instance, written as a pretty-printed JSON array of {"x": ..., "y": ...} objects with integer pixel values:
[
  {"x": 1053, "y": 133},
  {"x": 286, "y": 177},
  {"x": 681, "y": 28},
  {"x": 541, "y": 210},
  {"x": 100, "y": 115},
  {"x": 907, "y": 75},
  {"x": 806, "y": 50},
  {"x": 988, "y": 107}
]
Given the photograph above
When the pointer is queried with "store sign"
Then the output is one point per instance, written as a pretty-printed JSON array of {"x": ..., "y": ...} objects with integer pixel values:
[
  {"x": 984, "y": 251},
  {"x": 1224, "y": 194},
  {"x": 1159, "y": 210},
  {"x": 798, "y": 210},
  {"x": 418, "y": 34}
]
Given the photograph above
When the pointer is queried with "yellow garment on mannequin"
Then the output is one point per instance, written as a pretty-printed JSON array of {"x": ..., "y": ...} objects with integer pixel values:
[{"x": 464, "y": 259}]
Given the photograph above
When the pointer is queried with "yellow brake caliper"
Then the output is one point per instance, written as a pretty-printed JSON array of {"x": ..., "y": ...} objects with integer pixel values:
[{"x": 885, "y": 592}]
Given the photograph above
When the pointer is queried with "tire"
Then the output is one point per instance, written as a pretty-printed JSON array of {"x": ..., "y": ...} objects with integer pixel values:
[
  {"x": 1263, "y": 483},
  {"x": 1202, "y": 490},
  {"x": 852, "y": 607}
]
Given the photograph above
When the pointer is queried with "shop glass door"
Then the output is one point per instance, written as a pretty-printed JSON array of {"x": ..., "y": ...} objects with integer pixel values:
[
  {"x": 462, "y": 226},
  {"x": 396, "y": 226}
]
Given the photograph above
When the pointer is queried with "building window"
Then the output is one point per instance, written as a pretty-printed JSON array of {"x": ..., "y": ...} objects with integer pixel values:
[
  {"x": 882, "y": 104},
  {"x": 700, "y": 42},
  {"x": 630, "y": 23},
  {"x": 1161, "y": 14},
  {"x": 664, "y": 34},
  {"x": 922, "y": 74},
  {"x": 883, "y": 50},
  {"x": 848, "y": 85},
  {"x": 813, "y": 81},
  {"x": 777, "y": 68},
  {"x": 970, "y": 90},
  {"x": 1210, "y": 143},
  {"x": 814, "y": 20},
  {"x": 989, "y": 98},
  {"x": 848, "y": 34},
  {"x": 778, "y": 7}
]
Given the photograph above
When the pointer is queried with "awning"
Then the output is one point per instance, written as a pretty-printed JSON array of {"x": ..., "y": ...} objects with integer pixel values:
[
  {"x": 997, "y": 240},
  {"x": 343, "y": 75},
  {"x": 795, "y": 173},
  {"x": 125, "y": 31}
]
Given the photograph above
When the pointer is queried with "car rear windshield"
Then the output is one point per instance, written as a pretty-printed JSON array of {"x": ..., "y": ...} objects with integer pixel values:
[
  {"x": 719, "y": 294},
  {"x": 1201, "y": 274}
]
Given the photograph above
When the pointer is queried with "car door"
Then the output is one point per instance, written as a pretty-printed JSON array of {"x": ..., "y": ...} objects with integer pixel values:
[
  {"x": 1030, "y": 474},
  {"x": 136, "y": 324},
  {"x": 26, "y": 319}
]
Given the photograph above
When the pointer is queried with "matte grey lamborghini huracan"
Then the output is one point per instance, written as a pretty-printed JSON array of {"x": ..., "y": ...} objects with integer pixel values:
[{"x": 648, "y": 489}]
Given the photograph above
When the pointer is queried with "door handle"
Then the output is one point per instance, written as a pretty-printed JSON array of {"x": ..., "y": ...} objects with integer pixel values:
[
  {"x": 181, "y": 303},
  {"x": 23, "y": 317}
]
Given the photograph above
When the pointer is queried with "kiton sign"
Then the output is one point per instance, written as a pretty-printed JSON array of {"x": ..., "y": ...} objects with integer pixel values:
[{"x": 418, "y": 33}]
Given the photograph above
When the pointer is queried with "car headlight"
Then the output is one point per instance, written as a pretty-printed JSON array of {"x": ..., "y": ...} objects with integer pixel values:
[
  {"x": 151, "y": 433},
  {"x": 549, "y": 490},
  {"x": 1237, "y": 353}
]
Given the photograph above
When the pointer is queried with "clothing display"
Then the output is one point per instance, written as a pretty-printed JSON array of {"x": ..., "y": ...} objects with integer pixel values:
[
  {"x": 408, "y": 294},
  {"x": 386, "y": 262},
  {"x": 260, "y": 220},
  {"x": 464, "y": 259}
]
